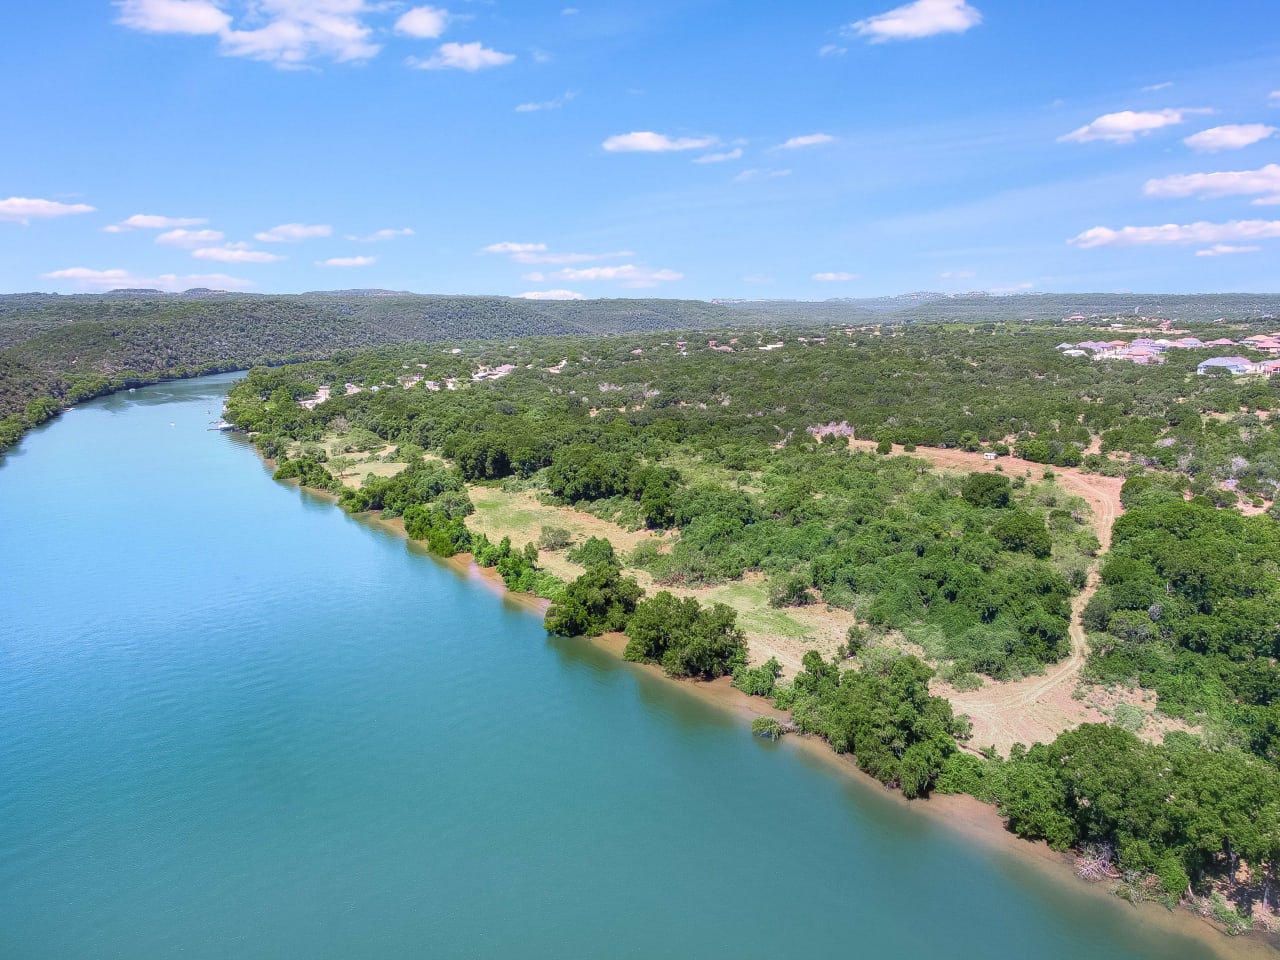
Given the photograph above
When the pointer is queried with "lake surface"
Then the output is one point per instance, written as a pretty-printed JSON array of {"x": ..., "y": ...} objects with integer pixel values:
[{"x": 235, "y": 722}]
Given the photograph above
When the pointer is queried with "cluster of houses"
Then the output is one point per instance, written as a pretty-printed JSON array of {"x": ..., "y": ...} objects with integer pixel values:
[{"x": 1145, "y": 351}]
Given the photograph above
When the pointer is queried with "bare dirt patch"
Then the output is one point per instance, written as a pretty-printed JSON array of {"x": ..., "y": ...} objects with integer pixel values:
[{"x": 1037, "y": 709}]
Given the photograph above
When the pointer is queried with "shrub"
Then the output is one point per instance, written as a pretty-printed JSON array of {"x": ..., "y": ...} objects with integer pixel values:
[
  {"x": 758, "y": 681},
  {"x": 767, "y": 728},
  {"x": 554, "y": 538}
]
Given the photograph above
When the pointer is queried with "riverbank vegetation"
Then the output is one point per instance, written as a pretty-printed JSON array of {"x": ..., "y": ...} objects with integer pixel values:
[{"x": 739, "y": 461}]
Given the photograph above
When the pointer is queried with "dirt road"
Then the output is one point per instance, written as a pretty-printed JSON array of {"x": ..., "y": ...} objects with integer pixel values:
[{"x": 1039, "y": 708}]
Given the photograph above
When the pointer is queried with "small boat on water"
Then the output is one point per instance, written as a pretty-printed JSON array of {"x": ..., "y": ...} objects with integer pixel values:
[{"x": 221, "y": 425}]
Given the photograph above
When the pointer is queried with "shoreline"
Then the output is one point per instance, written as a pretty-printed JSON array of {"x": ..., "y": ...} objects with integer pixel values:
[{"x": 976, "y": 823}]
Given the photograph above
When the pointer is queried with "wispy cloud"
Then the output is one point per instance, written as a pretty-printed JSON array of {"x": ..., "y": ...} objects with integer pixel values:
[
  {"x": 832, "y": 50},
  {"x": 958, "y": 275},
  {"x": 734, "y": 154},
  {"x": 646, "y": 141},
  {"x": 836, "y": 277},
  {"x": 808, "y": 140},
  {"x": 379, "y": 236},
  {"x": 551, "y": 295},
  {"x": 913, "y": 21},
  {"x": 1127, "y": 125},
  {"x": 147, "y": 221},
  {"x": 506, "y": 246},
  {"x": 1157, "y": 87},
  {"x": 293, "y": 232},
  {"x": 560, "y": 258},
  {"x": 1224, "y": 250},
  {"x": 627, "y": 275},
  {"x": 90, "y": 279},
  {"x": 761, "y": 173},
  {"x": 1263, "y": 183},
  {"x": 553, "y": 104},
  {"x": 469, "y": 57},
  {"x": 1232, "y": 136},
  {"x": 183, "y": 237},
  {"x": 347, "y": 262},
  {"x": 236, "y": 253},
  {"x": 1173, "y": 233},
  {"x": 25, "y": 209},
  {"x": 537, "y": 253}
]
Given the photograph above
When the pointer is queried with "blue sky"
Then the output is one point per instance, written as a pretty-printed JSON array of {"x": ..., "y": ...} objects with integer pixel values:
[{"x": 700, "y": 148}]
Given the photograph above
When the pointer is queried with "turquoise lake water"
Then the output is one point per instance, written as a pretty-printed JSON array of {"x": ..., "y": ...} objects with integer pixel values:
[{"x": 236, "y": 723}]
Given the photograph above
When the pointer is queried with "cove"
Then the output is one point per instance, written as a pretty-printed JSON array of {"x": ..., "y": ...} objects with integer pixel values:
[{"x": 234, "y": 722}]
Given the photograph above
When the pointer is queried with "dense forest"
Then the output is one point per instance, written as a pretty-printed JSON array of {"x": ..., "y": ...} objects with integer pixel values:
[
  {"x": 59, "y": 350},
  {"x": 735, "y": 447}
]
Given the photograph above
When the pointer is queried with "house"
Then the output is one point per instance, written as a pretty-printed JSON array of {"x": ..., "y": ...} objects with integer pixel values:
[
  {"x": 988, "y": 456},
  {"x": 1237, "y": 366},
  {"x": 1188, "y": 343},
  {"x": 1223, "y": 342},
  {"x": 1269, "y": 368}
]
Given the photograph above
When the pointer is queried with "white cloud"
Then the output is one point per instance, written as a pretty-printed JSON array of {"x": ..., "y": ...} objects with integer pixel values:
[
  {"x": 236, "y": 253},
  {"x": 551, "y": 295},
  {"x": 1127, "y": 125},
  {"x": 425, "y": 23},
  {"x": 569, "y": 11},
  {"x": 838, "y": 277},
  {"x": 299, "y": 30},
  {"x": 809, "y": 140},
  {"x": 535, "y": 277},
  {"x": 959, "y": 275},
  {"x": 924, "y": 18},
  {"x": 832, "y": 50},
  {"x": 734, "y": 154},
  {"x": 1263, "y": 183},
  {"x": 380, "y": 235},
  {"x": 293, "y": 232},
  {"x": 761, "y": 173},
  {"x": 462, "y": 56},
  {"x": 1232, "y": 136},
  {"x": 112, "y": 279},
  {"x": 1274, "y": 97},
  {"x": 535, "y": 257},
  {"x": 173, "y": 16},
  {"x": 189, "y": 238},
  {"x": 1224, "y": 249},
  {"x": 628, "y": 275},
  {"x": 286, "y": 33},
  {"x": 347, "y": 262},
  {"x": 553, "y": 104},
  {"x": 1173, "y": 233},
  {"x": 507, "y": 246},
  {"x": 1013, "y": 288},
  {"x": 25, "y": 209},
  {"x": 646, "y": 141},
  {"x": 147, "y": 221},
  {"x": 1157, "y": 87}
]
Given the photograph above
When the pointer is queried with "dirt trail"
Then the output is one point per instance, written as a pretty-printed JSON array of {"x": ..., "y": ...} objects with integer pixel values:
[{"x": 1039, "y": 708}]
